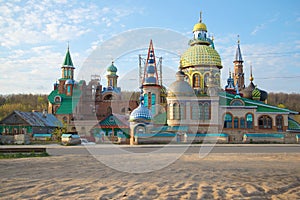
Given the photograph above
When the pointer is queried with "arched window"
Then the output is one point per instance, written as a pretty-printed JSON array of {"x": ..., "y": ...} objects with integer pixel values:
[
  {"x": 249, "y": 120},
  {"x": 265, "y": 122},
  {"x": 279, "y": 123},
  {"x": 242, "y": 122},
  {"x": 146, "y": 100},
  {"x": 201, "y": 116},
  {"x": 182, "y": 111},
  {"x": 170, "y": 111},
  {"x": 176, "y": 111},
  {"x": 65, "y": 119},
  {"x": 109, "y": 111},
  {"x": 108, "y": 97},
  {"x": 206, "y": 76},
  {"x": 194, "y": 111},
  {"x": 236, "y": 122},
  {"x": 206, "y": 111},
  {"x": 228, "y": 120},
  {"x": 196, "y": 80}
]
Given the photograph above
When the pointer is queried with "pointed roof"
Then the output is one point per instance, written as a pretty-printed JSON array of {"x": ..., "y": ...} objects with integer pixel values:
[
  {"x": 238, "y": 54},
  {"x": 68, "y": 59},
  {"x": 150, "y": 74}
]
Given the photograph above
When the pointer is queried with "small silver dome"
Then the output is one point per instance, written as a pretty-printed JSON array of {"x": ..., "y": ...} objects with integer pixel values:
[
  {"x": 141, "y": 113},
  {"x": 69, "y": 82}
]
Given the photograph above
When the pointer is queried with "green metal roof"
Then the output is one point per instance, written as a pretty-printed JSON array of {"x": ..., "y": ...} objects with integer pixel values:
[
  {"x": 226, "y": 98},
  {"x": 68, "y": 60},
  {"x": 68, "y": 103},
  {"x": 112, "y": 120},
  {"x": 293, "y": 124}
]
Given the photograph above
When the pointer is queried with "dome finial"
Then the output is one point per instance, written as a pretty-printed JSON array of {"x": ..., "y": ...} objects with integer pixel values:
[
  {"x": 238, "y": 41},
  {"x": 200, "y": 20}
]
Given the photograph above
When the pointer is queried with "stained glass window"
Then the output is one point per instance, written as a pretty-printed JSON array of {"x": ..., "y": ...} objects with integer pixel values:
[{"x": 249, "y": 120}]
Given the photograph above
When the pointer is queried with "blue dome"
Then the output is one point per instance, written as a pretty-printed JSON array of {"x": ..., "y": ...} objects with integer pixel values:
[
  {"x": 141, "y": 113},
  {"x": 69, "y": 82},
  {"x": 150, "y": 69},
  {"x": 151, "y": 61},
  {"x": 150, "y": 80}
]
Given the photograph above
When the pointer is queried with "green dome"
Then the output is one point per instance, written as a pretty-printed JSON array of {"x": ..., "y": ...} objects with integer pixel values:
[
  {"x": 112, "y": 68},
  {"x": 200, "y": 55}
]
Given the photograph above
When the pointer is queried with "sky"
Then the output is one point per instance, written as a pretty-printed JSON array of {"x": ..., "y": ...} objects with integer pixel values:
[{"x": 34, "y": 36}]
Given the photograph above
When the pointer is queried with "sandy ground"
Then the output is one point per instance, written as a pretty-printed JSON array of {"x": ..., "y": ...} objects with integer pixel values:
[{"x": 217, "y": 176}]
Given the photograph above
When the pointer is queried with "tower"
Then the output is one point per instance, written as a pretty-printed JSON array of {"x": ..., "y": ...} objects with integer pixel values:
[
  {"x": 112, "y": 77},
  {"x": 201, "y": 63},
  {"x": 238, "y": 68},
  {"x": 66, "y": 82},
  {"x": 150, "y": 83}
]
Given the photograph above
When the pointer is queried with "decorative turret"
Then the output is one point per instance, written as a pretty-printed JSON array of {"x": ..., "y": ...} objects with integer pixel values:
[
  {"x": 238, "y": 67},
  {"x": 112, "y": 77},
  {"x": 230, "y": 87},
  {"x": 252, "y": 92}
]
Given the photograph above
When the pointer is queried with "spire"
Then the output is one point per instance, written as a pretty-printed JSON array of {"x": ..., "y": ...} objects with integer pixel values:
[
  {"x": 150, "y": 74},
  {"x": 200, "y": 20},
  {"x": 238, "y": 54},
  {"x": 68, "y": 60}
]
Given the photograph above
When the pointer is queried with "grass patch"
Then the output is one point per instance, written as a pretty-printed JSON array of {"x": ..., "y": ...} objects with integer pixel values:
[{"x": 22, "y": 155}]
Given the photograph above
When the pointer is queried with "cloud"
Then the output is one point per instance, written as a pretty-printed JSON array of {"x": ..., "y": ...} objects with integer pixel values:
[
  {"x": 258, "y": 28},
  {"x": 264, "y": 25}
]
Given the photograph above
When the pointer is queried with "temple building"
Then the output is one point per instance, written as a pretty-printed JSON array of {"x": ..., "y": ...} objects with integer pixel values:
[{"x": 194, "y": 108}]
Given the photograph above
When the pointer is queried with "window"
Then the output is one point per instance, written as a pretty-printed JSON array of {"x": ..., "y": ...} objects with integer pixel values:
[
  {"x": 170, "y": 111},
  {"x": 236, "y": 122},
  {"x": 194, "y": 111},
  {"x": 176, "y": 111},
  {"x": 206, "y": 76},
  {"x": 69, "y": 89},
  {"x": 65, "y": 119},
  {"x": 182, "y": 111},
  {"x": 201, "y": 116},
  {"x": 279, "y": 123},
  {"x": 206, "y": 111},
  {"x": 153, "y": 99},
  {"x": 242, "y": 122},
  {"x": 249, "y": 120},
  {"x": 196, "y": 80},
  {"x": 146, "y": 100},
  {"x": 227, "y": 121},
  {"x": 265, "y": 122}
]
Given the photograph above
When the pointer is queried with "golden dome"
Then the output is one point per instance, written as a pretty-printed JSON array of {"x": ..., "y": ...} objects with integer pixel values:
[
  {"x": 200, "y": 27},
  {"x": 200, "y": 55}
]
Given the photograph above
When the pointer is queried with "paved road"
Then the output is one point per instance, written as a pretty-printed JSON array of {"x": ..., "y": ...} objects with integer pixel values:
[{"x": 116, "y": 149}]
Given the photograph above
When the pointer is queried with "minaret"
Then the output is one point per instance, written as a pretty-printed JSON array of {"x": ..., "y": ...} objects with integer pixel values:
[
  {"x": 67, "y": 67},
  {"x": 150, "y": 82},
  {"x": 238, "y": 68},
  {"x": 66, "y": 81}
]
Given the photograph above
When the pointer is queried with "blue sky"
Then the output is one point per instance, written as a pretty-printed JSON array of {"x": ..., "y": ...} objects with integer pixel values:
[{"x": 34, "y": 37}]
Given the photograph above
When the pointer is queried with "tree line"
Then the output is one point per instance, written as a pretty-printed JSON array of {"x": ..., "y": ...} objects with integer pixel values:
[
  {"x": 285, "y": 100},
  {"x": 22, "y": 102},
  {"x": 39, "y": 102}
]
